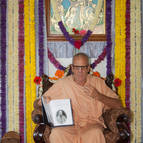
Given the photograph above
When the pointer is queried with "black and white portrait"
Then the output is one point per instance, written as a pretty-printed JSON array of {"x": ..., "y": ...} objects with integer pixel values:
[{"x": 61, "y": 116}]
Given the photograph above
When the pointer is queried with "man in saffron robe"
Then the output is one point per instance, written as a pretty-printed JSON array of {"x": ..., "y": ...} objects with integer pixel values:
[{"x": 90, "y": 97}]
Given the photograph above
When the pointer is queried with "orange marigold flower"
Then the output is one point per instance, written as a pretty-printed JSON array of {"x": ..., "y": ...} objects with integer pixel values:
[
  {"x": 59, "y": 73},
  {"x": 96, "y": 74},
  {"x": 53, "y": 78}
]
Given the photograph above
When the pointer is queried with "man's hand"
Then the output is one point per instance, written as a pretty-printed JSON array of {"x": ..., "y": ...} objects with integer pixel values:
[
  {"x": 92, "y": 92},
  {"x": 111, "y": 102}
]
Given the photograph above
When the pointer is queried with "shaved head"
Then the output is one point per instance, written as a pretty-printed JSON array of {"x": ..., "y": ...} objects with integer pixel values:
[{"x": 83, "y": 55}]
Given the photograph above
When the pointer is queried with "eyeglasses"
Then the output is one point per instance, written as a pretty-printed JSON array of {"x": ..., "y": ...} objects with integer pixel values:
[{"x": 80, "y": 67}]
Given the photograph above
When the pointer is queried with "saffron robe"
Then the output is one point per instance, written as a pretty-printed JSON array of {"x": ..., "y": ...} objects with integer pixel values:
[{"x": 87, "y": 111}]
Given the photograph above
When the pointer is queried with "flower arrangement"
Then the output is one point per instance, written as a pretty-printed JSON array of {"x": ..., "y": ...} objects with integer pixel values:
[
  {"x": 76, "y": 43},
  {"x": 96, "y": 73},
  {"x": 117, "y": 82},
  {"x": 81, "y": 32},
  {"x": 37, "y": 80},
  {"x": 59, "y": 74}
]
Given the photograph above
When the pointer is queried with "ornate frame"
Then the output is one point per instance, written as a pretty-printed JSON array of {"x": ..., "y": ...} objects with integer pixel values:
[{"x": 59, "y": 37}]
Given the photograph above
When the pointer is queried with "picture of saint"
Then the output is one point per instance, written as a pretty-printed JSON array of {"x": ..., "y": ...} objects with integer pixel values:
[{"x": 61, "y": 116}]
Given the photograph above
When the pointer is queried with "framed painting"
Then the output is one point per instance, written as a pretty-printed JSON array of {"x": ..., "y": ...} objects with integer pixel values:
[{"x": 78, "y": 14}]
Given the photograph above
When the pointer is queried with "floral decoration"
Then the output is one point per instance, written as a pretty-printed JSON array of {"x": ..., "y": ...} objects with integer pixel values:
[
  {"x": 117, "y": 82},
  {"x": 75, "y": 31},
  {"x": 70, "y": 39},
  {"x": 96, "y": 74},
  {"x": 59, "y": 74},
  {"x": 77, "y": 44},
  {"x": 3, "y": 10},
  {"x": 81, "y": 32},
  {"x": 37, "y": 80},
  {"x": 61, "y": 67}
]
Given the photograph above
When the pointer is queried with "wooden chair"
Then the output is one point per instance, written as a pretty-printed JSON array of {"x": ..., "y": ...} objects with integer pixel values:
[{"x": 116, "y": 121}]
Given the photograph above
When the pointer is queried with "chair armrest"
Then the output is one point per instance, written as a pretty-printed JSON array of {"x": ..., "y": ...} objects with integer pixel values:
[
  {"x": 116, "y": 121},
  {"x": 41, "y": 133},
  {"x": 36, "y": 116},
  {"x": 36, "y": 105},
  {"x": 110, "y": 118}
]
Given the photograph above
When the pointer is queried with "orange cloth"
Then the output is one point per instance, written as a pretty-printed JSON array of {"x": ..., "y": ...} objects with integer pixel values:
[{"x": 87, "y": 111}]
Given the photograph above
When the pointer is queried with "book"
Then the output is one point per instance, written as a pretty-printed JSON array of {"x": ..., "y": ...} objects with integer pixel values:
[{"x": 57, "y": 112}]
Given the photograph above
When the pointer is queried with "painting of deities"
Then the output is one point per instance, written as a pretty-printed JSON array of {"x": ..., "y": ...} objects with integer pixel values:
[{"x": 78, "y": 14}]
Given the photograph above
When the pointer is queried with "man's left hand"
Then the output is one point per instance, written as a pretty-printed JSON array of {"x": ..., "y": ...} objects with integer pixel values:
[{"x": 92, "y": 92}]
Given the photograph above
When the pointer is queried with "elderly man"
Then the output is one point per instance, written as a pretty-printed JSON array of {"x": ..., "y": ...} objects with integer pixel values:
[{"x": 90, "y": 97}]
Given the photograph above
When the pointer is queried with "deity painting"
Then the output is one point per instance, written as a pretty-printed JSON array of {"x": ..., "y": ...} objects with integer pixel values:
[{"x": 78, "y": 14}]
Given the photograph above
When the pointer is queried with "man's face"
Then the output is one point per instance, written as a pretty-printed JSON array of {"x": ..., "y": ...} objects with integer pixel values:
[{"x": 80, "y": 68}]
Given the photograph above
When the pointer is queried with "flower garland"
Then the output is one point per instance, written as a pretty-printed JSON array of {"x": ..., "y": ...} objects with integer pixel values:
[
  {"x": 41, "y": 37},
  {"x": 21, "y": 69},
  {"x": 120, "y": 35},
  {"x": 15, "y": 78},
  {"x": 128, "y": 53},
  {"x": 136, "y": 70},
  {"x": 13, "y": 92},
  {"x": 76, "y": 43},
  {"x": 10, "y": 66},
  {"x": 27, "y": 71},
  {"x": 30, "y": 67},
  {"x": 108, "y": 31},
  {"x": 3, "y": 66},
  {"x": 132, "y": 77},
  {"x": 60, "y": 67}
]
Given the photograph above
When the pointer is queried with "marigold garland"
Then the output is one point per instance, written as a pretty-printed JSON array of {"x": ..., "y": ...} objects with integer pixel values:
[
  {"x": 120, "y": 35},
  {"x": 30, "y": 70}
]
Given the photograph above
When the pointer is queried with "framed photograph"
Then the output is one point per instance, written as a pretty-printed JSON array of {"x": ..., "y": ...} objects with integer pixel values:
[{"x": 77, "y": 14}]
